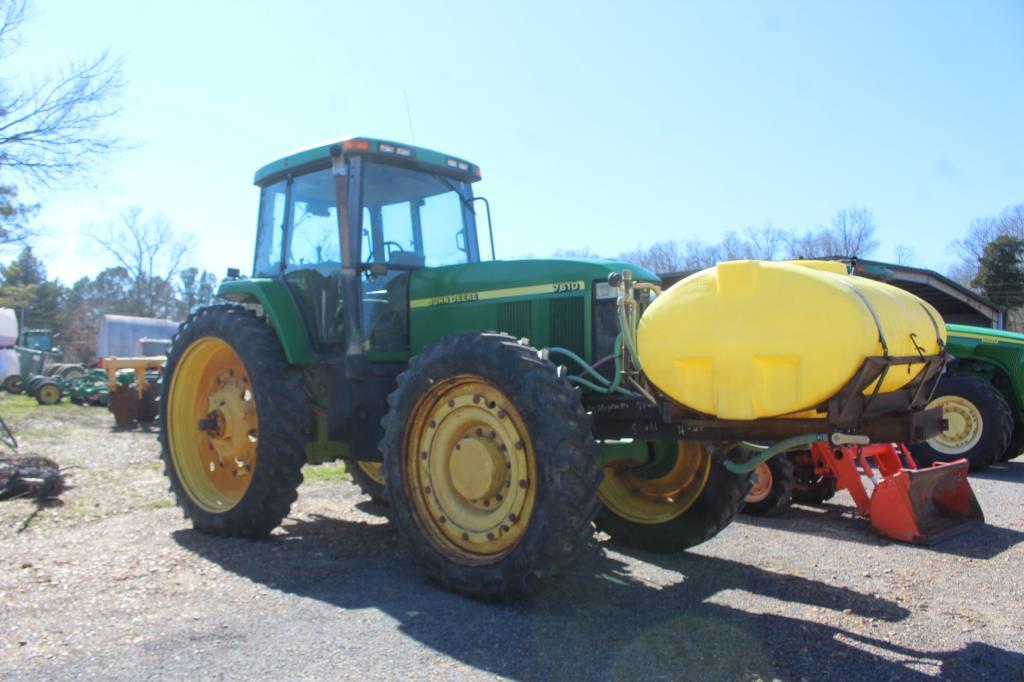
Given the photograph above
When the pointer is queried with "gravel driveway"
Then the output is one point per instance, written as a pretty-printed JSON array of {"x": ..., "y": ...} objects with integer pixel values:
[{"x": 111, "y": 583}]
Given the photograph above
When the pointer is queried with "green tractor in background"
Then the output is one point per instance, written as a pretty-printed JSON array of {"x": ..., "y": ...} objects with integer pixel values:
[
  {"x": 982, "y": 397},
  {"x": 371, "y": 331}
]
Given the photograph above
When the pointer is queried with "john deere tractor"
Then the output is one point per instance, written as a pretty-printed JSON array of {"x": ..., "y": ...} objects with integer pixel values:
[{"x": 498, "y": 405}]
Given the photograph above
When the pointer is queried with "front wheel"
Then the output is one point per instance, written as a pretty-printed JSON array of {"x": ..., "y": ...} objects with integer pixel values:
[
  {"x": 490, "y": 466},
  {"x": 232, "y": 423},
  {"x": 980, "y": 423},
  {"x": 679, "y": 500}
]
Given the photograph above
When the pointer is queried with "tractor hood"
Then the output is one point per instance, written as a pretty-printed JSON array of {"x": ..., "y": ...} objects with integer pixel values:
[
  {"x": 966, "y": 335},
  {"x": 513, "y": 279}
]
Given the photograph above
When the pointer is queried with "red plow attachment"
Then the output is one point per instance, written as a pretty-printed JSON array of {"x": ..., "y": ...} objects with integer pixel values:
[{"x": 922, "y": 506}]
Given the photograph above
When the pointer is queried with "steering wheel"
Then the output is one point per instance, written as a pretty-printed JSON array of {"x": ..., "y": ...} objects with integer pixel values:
[{"x": 389, "y": 247}]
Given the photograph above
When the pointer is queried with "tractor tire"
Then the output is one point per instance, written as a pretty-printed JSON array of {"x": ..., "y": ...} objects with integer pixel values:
[
  {"x": 124, "y": 405},
  {"x": 674, "y": 510},
  {"x": 234, "y": 471},
  {"x": 809, "y": 487},
  {"x": 369, "y": 477},
  {"x": 53, "y": 370},
  {"x": 490, "y": 466},
  {"x": 48, "y": 392},
  {"x": 980, "y": 423},
  {"x": 14, "y": 384},
  {"x": 70, "y": 371},
  {"x": 1016, "y": 445},
  {"x": 771, "y": 491},
  {"x": 32, "y": 383}
]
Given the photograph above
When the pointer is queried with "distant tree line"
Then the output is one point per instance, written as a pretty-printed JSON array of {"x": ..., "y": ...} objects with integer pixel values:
[
  {"x": 851, "y": 234},
  {"x": 148, "y": 281},
  {"x": 990, "y": 258}
]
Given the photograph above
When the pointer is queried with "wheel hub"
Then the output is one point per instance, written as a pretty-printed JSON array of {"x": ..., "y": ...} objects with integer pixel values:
[
  {"x": 470, "y": 466},
  {"x": 477, "y": 468},
  {"x": 965, "y": 425},
  {"x": 233, "y": 416},
  {"x": 762, "y": 483},
  {"x": 661, "y": 497}
]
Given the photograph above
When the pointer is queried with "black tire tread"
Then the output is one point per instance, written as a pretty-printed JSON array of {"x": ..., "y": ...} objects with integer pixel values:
[
  {"x": 565, "y": 451},
  {"x": 715, "y": 508},
  {"x": 781, "y": 494},
  {"x": 998, "y": 423},
  {"x": 283, "y": 421}
]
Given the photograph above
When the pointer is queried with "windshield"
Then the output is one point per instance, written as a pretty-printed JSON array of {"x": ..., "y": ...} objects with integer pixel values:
[{"x": 413, "y": 218}]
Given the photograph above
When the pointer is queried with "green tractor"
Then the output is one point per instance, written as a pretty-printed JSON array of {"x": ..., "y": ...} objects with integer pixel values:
[
  {"x": 498, "y": 405},
  {"x": 982, "y": 397}
]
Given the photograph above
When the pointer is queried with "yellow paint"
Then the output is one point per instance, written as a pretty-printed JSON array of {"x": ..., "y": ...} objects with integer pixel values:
[
  {"x": 373, "y": 470},
  {"x": 534, "y": 290},
  {"x": 470, "y": 470},
  {"x": 216, "y": 465},
  {"x": 657, "y": 500},
  {"x": 752, "y": 339}
]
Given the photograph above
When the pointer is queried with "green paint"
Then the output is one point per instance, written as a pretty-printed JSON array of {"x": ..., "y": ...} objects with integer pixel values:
[
  {"x": 319, "y": 449},
  {"x": 990, "y": 353},
  {"x": 469, "y": 297},
  {"x": 320, "y": 155},
  {"x": 279, "y": 308}
]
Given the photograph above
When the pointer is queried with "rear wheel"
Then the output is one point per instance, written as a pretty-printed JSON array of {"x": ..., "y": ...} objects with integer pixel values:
[
  {"x": 232, "y": 423},
  {"x": 980, "y": 423},
  {"x": 1016, "y": 444},
  {"x": 771, "y": 490},
  {"x": 680, "y": 500},
  {"x": 369, "y": 476},
  {"x": 490, "y": 466}
]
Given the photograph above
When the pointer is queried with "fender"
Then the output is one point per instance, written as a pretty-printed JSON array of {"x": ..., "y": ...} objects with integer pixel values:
[{"x": 279, "y": 309}]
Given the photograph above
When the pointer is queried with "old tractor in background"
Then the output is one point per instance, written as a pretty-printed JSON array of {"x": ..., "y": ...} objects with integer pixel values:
[{"x": 506, "y": 403}]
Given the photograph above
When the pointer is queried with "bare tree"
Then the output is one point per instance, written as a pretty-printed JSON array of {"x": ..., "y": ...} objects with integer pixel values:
[
  {"x": 904, "y": 255},
  {"x": 853, "y": 232},
  {"x": 54, "y": 129},
  {"x": 151, "y": 254}
]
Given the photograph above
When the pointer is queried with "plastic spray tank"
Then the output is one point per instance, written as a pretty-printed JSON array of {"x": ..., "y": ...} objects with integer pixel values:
[{"x": 755, "y": 339}]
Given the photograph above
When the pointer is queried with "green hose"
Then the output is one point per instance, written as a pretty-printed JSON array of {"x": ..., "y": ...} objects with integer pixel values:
[
  {"x": 607, "y": 387},
  {"x": 794, "y": 443}
]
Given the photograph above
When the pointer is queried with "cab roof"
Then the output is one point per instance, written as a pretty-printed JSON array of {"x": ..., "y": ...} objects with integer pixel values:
[{"x": 405, "y": 154}]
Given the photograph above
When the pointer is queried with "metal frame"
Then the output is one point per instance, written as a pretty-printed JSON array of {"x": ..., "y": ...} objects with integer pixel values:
[{"x": 897, "y": 416}]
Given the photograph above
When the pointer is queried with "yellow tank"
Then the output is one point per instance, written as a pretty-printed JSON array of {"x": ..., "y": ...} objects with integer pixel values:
[{"x": 753, "y": 339}]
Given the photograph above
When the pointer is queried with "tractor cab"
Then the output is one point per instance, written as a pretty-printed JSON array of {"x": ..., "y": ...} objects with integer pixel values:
[{"x": 344, "y": 225}]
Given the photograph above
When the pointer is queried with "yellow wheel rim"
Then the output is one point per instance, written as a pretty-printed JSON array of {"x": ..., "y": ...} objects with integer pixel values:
[
  {"x": 212, "y": 425},
  {"x": 469, "y": 470},
  {"x": 372, "y": 469},
  {"x": 965, "y": 425},
  {"x": 49, "y": 394},
  {"x": 657, "y": 500},
  {"x": 762, "y": 483}
]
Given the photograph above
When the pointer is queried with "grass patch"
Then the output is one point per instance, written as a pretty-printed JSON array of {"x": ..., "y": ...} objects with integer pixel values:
[
  {"x": 159, "y": 504},
  {"x": 17, "y": 408},
  {"x": 325, "y": 472}
]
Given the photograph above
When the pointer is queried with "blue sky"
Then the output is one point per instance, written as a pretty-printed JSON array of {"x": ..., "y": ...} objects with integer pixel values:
[{"x": 608, "y": 125}]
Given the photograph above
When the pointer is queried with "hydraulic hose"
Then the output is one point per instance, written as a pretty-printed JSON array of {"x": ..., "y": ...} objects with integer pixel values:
[{"x": 794, "y": 443}]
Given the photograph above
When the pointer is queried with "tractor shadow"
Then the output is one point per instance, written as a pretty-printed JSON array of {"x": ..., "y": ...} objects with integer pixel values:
[
  {"x": 1012, "y": 472},
  {"x": 603, "y": 619},
  {"x": 840, "y": 522}
]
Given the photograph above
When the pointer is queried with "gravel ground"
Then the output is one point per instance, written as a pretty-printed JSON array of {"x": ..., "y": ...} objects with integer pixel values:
[{"x": 110, "y": 583}]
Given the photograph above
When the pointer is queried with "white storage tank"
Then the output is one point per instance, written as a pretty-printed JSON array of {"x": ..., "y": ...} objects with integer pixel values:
[{"x": 8, "y": 327}]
